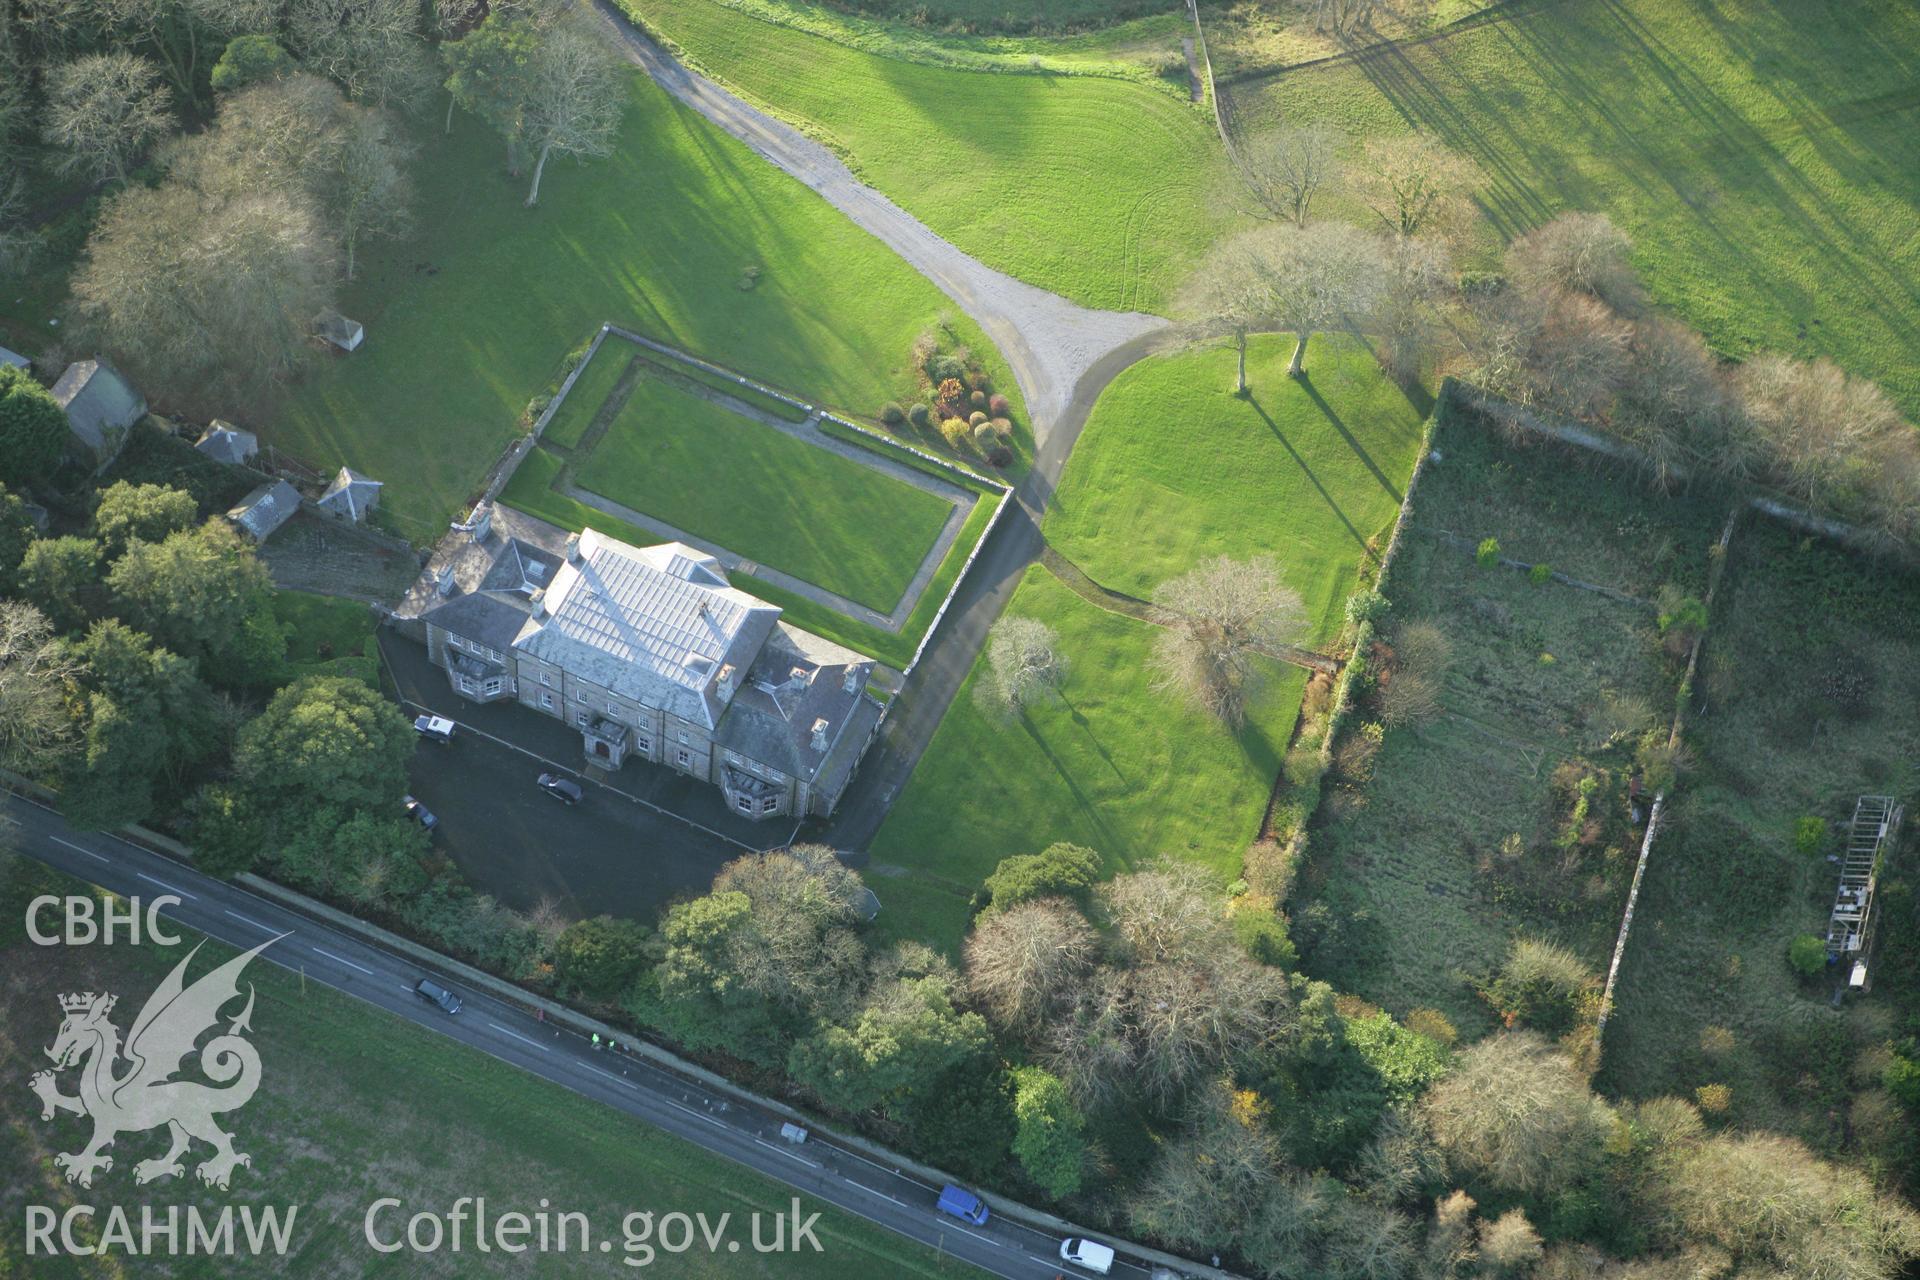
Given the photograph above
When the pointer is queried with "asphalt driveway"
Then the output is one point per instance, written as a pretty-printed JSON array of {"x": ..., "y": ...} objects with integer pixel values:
[{"x": 642, "y": 836}]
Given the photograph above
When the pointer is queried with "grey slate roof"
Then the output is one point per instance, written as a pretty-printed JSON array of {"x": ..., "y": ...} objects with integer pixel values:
[
  {"x": 655, "y": 624},
  {"x": 488, "y": 618},
  {"x": 797, "y": 681},
  {"x": 224, "y": 442},
  {"x": 351, "y": 494},
  {"x": 98, "y": 402},
  {"x": 266, "y": 508},
  {"x": 15, "y": 359}
]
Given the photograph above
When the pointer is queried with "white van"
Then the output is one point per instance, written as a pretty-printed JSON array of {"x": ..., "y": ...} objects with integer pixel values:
[{"x": 1091, "y": 1254}]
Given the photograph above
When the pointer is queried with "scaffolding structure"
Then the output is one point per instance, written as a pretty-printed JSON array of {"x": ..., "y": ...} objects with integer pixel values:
[{"x": 1875, "y": 826}]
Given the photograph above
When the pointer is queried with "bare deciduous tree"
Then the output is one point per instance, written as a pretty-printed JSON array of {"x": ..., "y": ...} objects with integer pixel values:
[
  {"x": 1024, "y": 664},
  {"x": 104, "y": 110},
  {"x": 1672, "y": 403},
  {"x": 1411, "y": 690},
  {"x": 1285, "y": 168},
  {"x": 1517, "y": 1112},
  {"x": 372, "y": 196},
  {"x": 1509, "y": 1245},
  {"x": 1413, "y": 183},
  {"x": 576, "y": 98},
  {"x": 1322, "y": 274},
  {"x": 801, "y": 950},
  {"x": 1089, "y": 1048},
  {"x": 1231, "y": 291},
  {"x": 1208, "y": 1183},
  {"x": 1584, "y": 252},
  {"x": 1821, "y": 427},
  {"x": 1342, "y": 17},
  {"x": 1169, "y": 910},
  {"x": 1558, "y": 350},
  {"x": 34, "y": 673},
  {"x": 203, "y": 297},
  {"x": 1026, "y": 963},
  {"x": 1223, "y": 617},
  {"x": 1415, "y": 284},
  {"x": 375, "y": 49}
]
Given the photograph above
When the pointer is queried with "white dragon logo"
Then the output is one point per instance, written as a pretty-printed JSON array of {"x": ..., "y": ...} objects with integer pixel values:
[{"x": 147, "y": 1096}]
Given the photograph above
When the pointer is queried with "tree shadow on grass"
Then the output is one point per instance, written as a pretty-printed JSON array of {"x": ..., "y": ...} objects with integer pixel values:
[{"x": 1313, "y": 479}]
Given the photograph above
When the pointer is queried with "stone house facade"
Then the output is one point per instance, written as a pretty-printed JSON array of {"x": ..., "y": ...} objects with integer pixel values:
[{"x": 650, "y": 654}]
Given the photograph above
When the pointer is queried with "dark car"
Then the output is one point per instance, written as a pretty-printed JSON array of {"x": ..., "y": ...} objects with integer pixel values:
[
  {"x": 420, "y": 813},
  {"x": 435, "y": 994},
  {"x": 565, "y": 790}
]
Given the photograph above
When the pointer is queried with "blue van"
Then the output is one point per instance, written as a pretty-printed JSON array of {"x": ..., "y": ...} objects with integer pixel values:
[{"x": 963, "y": 1204}]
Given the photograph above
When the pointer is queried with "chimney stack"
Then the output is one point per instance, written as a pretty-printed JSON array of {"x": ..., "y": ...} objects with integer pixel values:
[
  {"x": 820, "y": 734},
  {"x": 573, "y": 548}
]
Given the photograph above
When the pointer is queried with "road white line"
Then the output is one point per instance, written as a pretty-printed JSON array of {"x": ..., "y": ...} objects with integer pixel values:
[
  {"x": 342, "y": 960},
  {"x": 789, "y": 1154},
  {"x": 164, "y": 885},
  {"x": 266, "y": 928},
  {"x": 522, "y": 1039},
  {"x": 609, "y": 1075},
  {"x": 97, "y": 857}
]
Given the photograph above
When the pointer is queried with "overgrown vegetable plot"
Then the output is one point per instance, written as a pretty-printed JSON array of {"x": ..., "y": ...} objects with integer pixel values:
[
  {"x": 1804, "y": 703},
  {"x": 1497, "y": 807}
]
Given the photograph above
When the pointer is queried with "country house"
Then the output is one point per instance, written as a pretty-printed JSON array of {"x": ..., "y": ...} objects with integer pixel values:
[{"x": 649, "y": 653}]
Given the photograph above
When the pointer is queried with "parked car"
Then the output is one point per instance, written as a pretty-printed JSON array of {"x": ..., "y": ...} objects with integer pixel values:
[
  {"x": 1091, "y": 1254},
  {"x": 565, "y": 790},
  {"x": 420, "y": 813},
  {"x": 435, "y": 994},
  {"x": 963, "y": 1204},
  {"x": 434, "y": 728}
]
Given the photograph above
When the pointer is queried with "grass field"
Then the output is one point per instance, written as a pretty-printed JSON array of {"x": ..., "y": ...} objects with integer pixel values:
[
  {"x": 1100, "y": 189},
  {"x": 355, "y": 1105},
  {"x": 1796, "y": 719},
  {"x": 472, "y": 317},
  {"x": 531, "y": 490},
  {"x": 763, "y": 494},
  {"x": 1114, "y": 765},
  {"x": 1413, "y": 891},
  {"x": 1765, "y": 157},
  {"x": 1174, "y": 469}
]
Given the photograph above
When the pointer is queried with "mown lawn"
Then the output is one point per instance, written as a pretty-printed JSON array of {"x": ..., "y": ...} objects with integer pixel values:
[
  {"x": 763, "y": 494},
  {"x": 531, "y": 490},
  {"x": 1099, "y": 189},
  {"x": 1115, "y": 765},
  {"x": 471, "y": 318},
  {"x": 355, "y": 1105},
  {"x": 1174, "y": 469},
  {"x": 1765, "y": 157},
  {"x": 1804, "y": 704}
]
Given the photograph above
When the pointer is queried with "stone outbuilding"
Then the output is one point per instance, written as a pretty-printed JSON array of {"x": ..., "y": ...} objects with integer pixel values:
[
  {"x": 224, "y": 442},
  {"x": 265, "y": 509},
  {"x": 101, "y": 407},
  {"x": 351, "y": 495}
]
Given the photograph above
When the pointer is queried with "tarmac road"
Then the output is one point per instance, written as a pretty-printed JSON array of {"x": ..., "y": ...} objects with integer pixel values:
[{"x": 679, "y": 1105}]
